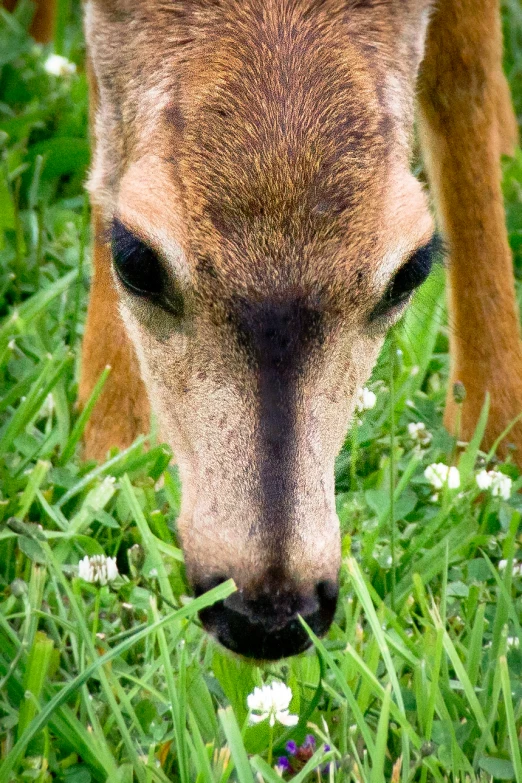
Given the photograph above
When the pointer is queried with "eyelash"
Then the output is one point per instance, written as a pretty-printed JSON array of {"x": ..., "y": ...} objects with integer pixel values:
[
  {"x": 136, "y": 264},
  {"x": 410, "y": 277},
  {"x": 133, "y": 258}
]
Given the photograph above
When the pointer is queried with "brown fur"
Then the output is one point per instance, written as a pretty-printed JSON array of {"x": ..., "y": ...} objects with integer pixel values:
[
  {"x": 264, "y": 178},
  {"x": 262, "y": 148},
  {"x": 467, "y": 121},
  {"x": 123, "y": 410},
  {"x": 280, "y": 135}
]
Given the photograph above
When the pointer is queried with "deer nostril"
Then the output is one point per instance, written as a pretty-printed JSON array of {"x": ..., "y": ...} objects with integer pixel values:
[
  {"x": 327, "y": 592},
  {"x": 266, "y": 625},
  {"x": 208, "y": 584}
]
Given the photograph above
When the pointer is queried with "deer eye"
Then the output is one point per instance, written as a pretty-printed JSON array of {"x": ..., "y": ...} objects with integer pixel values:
[
  {"x": 141, "y": 272},
  {"x": 136, "y": 264},
  {"x": 409, "y": 277}
]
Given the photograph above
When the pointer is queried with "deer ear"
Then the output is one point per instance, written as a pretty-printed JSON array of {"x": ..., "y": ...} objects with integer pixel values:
[{"x": 411, "y": 16}]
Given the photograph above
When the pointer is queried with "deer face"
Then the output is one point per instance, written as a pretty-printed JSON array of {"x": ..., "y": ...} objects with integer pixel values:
[{"x": 252, "y": 169}]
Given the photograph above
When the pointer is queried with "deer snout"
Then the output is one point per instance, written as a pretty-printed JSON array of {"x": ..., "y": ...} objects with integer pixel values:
[{"x": 264, "y": 623}]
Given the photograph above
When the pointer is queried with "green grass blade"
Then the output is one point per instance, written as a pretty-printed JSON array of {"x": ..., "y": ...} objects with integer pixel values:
[
  {"x": 493, "y": 450},
  {"x": 236, "y": 745},
  {"x": 319, "y": 759},
  {"x": 28, "y": 311},
  {"x": 113, "y": 467},
  {"x": 371, "y": 615},
  {"x": 13, "y": 757},
  {"x": 35, "y": 676},
  {"x": 149, "y": 539},
  {"x": 177, "y": 697},
  {"x": 96, "y": 500},
  {"x": 463, "y": 678},
  {"x": 347, "y": 693},
  {"x": 420, "y": 327},
  {"x": 19, "y": 390},
  {"x": 199, "y": 751},
  {"x": 510, "y": 718},
  {"x": 267, "y": 773},
  {"x": 476, "y": 642},
  {"x": 434, "y": 686},
  {"x": 83, "y": 418},
  {"x": 29, "y": 407},
  {"x": 505, "y": 595},
  {"x": 36, "y": 478},
  {"x": 382, "y": 737},
  {"x": 469, "y": 457}
]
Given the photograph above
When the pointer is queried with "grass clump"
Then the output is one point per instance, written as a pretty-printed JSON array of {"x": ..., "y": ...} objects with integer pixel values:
[{"x": 420, "y": 677}]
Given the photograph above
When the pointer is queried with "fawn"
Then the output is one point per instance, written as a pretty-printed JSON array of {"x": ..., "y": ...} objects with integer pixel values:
[{"x": 257, "y": 231}]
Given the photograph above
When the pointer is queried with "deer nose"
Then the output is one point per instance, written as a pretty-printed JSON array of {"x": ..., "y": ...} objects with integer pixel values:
[{"x": 265, "y": 625}]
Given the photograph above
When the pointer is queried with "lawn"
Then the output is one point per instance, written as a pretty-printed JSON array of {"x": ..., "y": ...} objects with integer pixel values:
[{"x": 420, "y": 677}]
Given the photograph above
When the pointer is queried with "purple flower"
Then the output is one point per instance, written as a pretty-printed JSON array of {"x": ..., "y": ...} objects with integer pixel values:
[
  {"x": 325, "y": 770},
  {"x": 284, "y": 764},
  {"x": 291, "y": 747},
  {"x": 309, "y": 741}
]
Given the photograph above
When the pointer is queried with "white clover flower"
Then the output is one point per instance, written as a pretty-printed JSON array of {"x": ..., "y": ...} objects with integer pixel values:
[
  {"x": 517, "y": 567},
  {"x": 419, "y": 433},
  {"x": 499, "y": 484},
  {"x": 98, "y": 569},
  {"x": 56, "y": 65},
  {"x": 453, "y": 478},
  {"x": 366, "y": 400},
  {"x": 439, "y": 474},
  {"x": 272, "y": 702},
  {"x": 484, "y": 480}
]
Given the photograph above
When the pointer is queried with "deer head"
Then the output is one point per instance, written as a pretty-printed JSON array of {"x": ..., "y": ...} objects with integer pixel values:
[{"x": 252, "y": 170}]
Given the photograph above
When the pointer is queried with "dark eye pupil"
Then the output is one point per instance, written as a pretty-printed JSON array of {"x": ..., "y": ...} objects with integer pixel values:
[
  {"x": 136, "y": 263},
  {"x": 410, "y": 276}
]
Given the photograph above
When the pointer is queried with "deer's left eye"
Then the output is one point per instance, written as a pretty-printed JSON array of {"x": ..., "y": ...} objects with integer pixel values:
[
  {"x": 409, "y": 277},
  {"x": 136, "y": 264}
]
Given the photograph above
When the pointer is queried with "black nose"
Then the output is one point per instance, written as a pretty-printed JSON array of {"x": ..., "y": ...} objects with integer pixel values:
[{"x": 265, "y": 625}]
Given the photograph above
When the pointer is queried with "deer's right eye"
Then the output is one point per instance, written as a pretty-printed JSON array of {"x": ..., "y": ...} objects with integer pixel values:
[
  {"x": 136, "y": 264},
  {"x": 409, "y": 277}
]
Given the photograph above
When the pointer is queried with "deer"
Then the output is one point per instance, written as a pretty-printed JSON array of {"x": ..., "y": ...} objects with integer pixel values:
[{"x": 257, "y": 231}]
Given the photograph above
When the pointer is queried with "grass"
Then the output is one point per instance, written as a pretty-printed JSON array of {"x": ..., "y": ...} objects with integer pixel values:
[{"x": 420, "y": 677}]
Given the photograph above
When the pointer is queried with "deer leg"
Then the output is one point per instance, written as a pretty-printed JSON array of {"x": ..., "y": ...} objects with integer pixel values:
[
  {"x": 122, "y": 411},
  {"x": 42, "y": 26},
  {"x": 466, "y": 122},
  {"x": 507, "y": 125}
]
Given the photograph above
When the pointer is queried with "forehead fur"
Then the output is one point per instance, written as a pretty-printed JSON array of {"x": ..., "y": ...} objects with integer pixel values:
[
  {"x": 274, "y": 116},
  {"x": 282, "y": 132}
]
